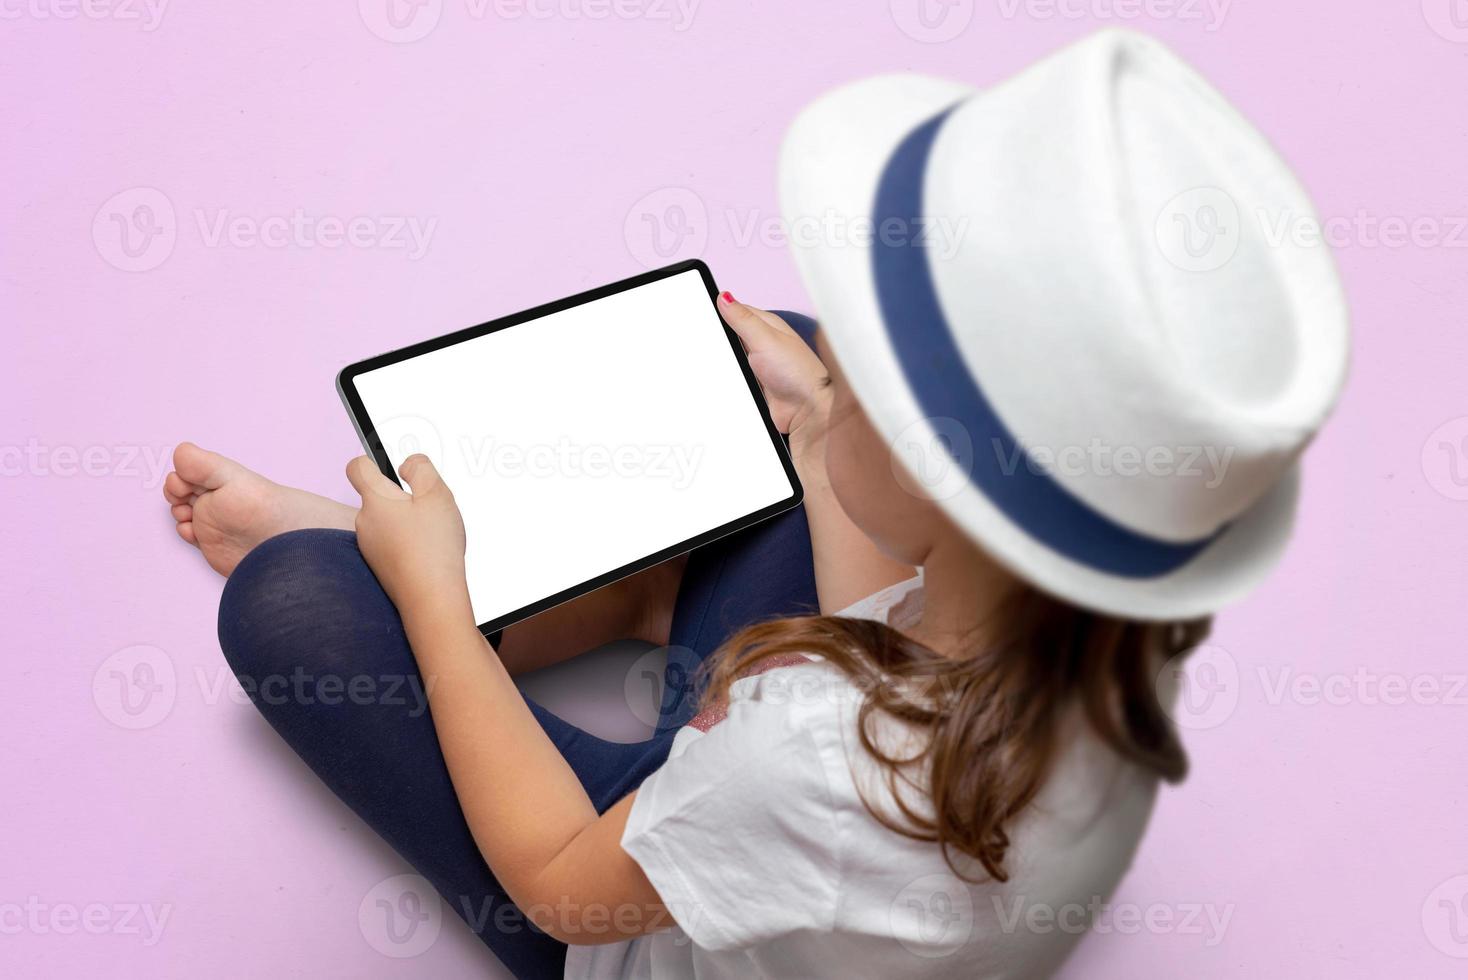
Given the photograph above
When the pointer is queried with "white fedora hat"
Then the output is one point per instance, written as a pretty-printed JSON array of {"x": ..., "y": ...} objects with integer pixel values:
[{"x": 1059, "y": 300}]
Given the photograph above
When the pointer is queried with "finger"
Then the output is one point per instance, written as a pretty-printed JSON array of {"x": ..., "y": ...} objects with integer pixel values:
[
  {"x": 422, "y": 475},
  {"x": 368, "y": 480},
  {"x": 745, "y": 321},
  {"x": 773, "y": 320},
  {"x": 778, "y": 322}
]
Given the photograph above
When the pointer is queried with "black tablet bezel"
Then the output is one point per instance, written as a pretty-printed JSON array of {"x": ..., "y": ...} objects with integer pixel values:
[{"x": 346, "y": 387}]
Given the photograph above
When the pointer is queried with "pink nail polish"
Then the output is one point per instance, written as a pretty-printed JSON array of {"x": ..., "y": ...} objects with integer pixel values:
[{"x": 726, "y": 296}]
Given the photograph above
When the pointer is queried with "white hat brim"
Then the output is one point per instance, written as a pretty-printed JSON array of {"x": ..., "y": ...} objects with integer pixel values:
[{"x": 831, "y": 162}]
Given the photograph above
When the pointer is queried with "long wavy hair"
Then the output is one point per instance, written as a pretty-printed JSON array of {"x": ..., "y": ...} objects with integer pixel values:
[{"x": 988, "y": 720}]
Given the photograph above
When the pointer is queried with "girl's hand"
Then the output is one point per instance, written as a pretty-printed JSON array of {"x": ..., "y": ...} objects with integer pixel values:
[
  {"x": 793, "y": 377},
  {"x": 414, "y": 543}
]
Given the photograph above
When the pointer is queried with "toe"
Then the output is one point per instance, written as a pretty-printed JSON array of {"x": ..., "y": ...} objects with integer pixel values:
[
  {"x": 177, "y": 490},
  {"x": 201, "y": 467},
  {"x": 183, "y": 513},
  {"x": 186, "y": 531}
]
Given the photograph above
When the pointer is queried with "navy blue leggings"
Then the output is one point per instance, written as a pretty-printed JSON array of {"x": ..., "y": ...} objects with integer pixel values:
[{"x": 320, "y": 648}]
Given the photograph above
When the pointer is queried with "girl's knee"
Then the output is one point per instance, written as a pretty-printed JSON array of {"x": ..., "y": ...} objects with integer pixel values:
[{"x": 298, "y": 600}]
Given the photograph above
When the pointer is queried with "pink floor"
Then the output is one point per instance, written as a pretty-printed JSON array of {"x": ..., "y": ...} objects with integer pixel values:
[{"x": 535, "y": 156}]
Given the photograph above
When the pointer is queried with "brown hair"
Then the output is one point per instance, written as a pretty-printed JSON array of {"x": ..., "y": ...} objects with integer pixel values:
[{"x": 990, "y": 718}]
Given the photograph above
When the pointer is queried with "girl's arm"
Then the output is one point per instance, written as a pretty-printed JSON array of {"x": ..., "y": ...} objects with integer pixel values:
[
  {"x": 848, "y": 566},
  {"x": 560, "y": 862}
]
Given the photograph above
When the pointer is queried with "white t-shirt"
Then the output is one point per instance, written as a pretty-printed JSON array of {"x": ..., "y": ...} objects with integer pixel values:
[{"x": 756, "y": 838}]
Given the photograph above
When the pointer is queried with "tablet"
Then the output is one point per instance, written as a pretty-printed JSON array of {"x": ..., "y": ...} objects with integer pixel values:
[{"x": 584, "y": 440}]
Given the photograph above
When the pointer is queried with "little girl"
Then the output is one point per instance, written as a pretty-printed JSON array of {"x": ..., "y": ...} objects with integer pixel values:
[{"x": 926, "y": 735}]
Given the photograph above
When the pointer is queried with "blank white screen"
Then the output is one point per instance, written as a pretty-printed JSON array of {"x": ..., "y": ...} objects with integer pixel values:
[{"x": 584, "y": 440}]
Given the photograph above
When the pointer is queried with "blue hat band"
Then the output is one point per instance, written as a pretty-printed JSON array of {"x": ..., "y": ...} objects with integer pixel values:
[{"x": 936, "y": 373}]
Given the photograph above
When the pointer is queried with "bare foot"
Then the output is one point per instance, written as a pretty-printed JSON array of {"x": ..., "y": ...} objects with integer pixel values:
[{"x": 224, "y": 509}]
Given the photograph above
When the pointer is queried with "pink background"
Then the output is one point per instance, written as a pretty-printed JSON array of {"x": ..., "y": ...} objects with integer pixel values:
[{"x": 1333, "y": 831}]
